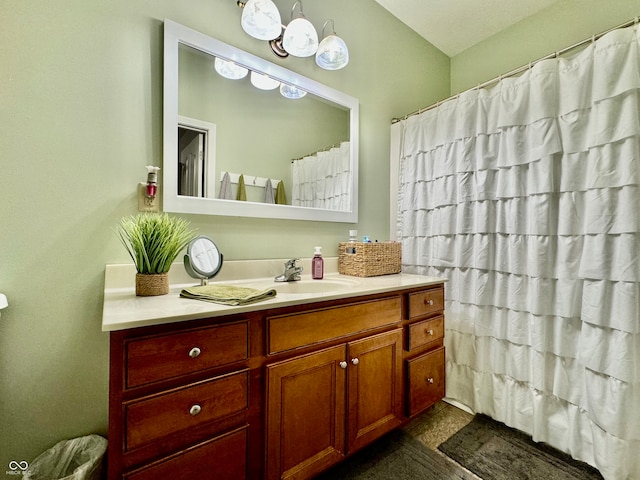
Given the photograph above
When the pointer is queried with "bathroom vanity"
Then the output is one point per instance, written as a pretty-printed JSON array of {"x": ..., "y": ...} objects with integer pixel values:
[{"x": 283, "y": 388}]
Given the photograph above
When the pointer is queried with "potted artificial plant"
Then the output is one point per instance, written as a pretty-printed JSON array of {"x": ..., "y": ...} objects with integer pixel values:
[{"x": 153, "y": 242}]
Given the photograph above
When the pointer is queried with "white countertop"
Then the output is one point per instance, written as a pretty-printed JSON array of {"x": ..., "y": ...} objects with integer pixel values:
[{"x": 123, "y": 309}]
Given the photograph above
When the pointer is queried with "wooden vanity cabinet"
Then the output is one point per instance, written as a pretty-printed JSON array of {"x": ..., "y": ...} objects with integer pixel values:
[
  {"x": 278, "y": 393},
  {"x": 324, "y": 405},
  {"x": 179, "y": 401},
  {"x": 424, "y": 350}
]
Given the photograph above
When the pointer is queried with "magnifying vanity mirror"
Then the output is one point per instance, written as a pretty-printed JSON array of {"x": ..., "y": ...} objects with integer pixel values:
[
  {"x": 203, "y": 260},
  {"x": 295, "y": 146}
]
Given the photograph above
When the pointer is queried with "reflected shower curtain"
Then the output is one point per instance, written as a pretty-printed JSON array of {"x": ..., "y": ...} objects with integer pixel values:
[
  {"x": 525, "y": 196},
  {"x": 323, "y": 180}
]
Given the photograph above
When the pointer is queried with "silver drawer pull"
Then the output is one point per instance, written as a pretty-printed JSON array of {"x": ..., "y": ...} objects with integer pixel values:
[
  {"x": 428, "y": 301},
  {"x": 355, "y": 361},
  {"x": 430, "y": 380},
  {"x": 430, "y": 332},
  {"x": 194, "y": 352},
  {"x": 343, "y": 364},
  {"x": 195, "y": 410}
]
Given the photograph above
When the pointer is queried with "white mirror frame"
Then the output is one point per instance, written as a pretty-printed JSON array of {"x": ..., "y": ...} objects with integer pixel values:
[{"x": 176, "y": 34}]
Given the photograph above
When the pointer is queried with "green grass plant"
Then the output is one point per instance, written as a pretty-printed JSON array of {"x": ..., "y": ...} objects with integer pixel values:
[{"x": 154, "y": 240}]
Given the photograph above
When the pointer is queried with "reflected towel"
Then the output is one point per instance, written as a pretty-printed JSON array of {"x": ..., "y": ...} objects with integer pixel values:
[
  {"x": 268, "y": 192},
  {"x": 281, "y": 196},
  {"x": 227, "y": 294},
  {"x": 242, "y": 191},
  {"x": 225, "y": 187}
]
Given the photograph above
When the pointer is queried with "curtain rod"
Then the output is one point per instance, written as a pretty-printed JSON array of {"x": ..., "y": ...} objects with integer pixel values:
[
  {"x": 521, "y": 69},
  {"x": 325, "y": 149}
]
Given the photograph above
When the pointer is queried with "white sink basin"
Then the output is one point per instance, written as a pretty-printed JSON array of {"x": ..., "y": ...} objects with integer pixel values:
[
  {"x": 306, "y": 286},
  {"x": 312, "y": 286}
]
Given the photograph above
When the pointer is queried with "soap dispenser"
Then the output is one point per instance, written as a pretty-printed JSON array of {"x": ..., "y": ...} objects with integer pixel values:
[{"x": 317, "y": 264}]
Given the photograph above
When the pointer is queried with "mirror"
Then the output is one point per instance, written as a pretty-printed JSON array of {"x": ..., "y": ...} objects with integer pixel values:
[
  {"x": 214, "y": 125},
  {"x": 203, "y": 260}
]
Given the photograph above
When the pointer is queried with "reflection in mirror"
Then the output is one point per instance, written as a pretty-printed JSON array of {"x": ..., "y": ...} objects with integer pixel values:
[
  {"x": 191, "y": 180},
  {"x": 203, "y": 260},
  {"x": 305, "y": 145},
  {"x": 196, "y": 158}
]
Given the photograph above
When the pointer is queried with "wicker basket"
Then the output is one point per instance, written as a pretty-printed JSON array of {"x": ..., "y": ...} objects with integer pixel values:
[{"x": 369, "y": 259}]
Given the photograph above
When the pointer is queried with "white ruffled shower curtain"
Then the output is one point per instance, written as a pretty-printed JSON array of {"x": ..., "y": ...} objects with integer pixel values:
[
  {"x": 323, "y": 180},
  {"x": 525, "y": 196}
]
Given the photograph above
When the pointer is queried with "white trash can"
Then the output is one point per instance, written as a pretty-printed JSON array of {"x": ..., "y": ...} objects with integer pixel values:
[{"x": 76, "y": 459}]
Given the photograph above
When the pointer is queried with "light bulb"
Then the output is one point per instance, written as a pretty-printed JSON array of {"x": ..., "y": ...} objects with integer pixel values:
[
  {"x": 229, "y": 69},
  {"x": 300, "y": 38},
  {"x": 263, "y": 82},
  {"x": 261, "y": 19},
  {"x": 332, "y": 53},
  {"x": 289, "y": 91}
]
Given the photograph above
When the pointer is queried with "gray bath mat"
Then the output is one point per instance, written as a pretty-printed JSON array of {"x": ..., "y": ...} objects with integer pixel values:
[
  {"x": 396, "y": 456},
  {"x": 494, "y": 451}
]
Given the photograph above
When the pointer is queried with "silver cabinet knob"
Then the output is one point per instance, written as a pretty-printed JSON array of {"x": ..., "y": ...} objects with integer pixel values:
[
  {"x": 430, "y": 332},
  {"x": 428, "y": 301},
  {"x": 195, "y": 410},
  {"x": 430, "y": 380},
  {"x": 194, "y": 352},
  {"x": 343, "y": 364},
  {"x": 355, "y": 361}
]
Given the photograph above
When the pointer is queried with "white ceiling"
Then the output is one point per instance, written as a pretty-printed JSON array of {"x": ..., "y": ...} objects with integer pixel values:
[{"x": 455, "y": 25}]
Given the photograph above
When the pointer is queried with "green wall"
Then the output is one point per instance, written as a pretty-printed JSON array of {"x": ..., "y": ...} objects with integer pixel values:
[
  {"x": 81, "y": 104},
  {"x": 565, "y": 23}
]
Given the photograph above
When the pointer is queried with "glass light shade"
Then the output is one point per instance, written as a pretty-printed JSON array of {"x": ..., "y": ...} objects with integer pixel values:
[
  {"x": 263, "y": 82},
  {"x": 332, "y": 53},
  {"x": 300, "y": 38},
  {"x": 289, "y": 91},
  {"x": 261, "y": 19},
  {"x": 229, "y": 69}
]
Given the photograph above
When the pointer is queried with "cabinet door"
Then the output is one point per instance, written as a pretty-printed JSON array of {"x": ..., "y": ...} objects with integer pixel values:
[
  {"x": 305, "y": 414},
  {"x": 375, "y": 387},
  {"x": 426, "y": 377}
]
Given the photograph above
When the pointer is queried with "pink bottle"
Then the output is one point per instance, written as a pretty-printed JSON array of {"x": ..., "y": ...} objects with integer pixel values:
[{"x": 317, "y": 265}]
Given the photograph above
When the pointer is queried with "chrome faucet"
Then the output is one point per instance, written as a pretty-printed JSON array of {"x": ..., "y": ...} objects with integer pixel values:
[{"x": 291, "y": 271}]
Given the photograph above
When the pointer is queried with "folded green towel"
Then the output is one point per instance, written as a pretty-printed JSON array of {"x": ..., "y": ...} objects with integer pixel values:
[{"x": 227, "y": 294}]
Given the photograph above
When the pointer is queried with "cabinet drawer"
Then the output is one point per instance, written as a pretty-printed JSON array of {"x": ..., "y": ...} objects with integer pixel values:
[
  {"x": 426, "y": 381},
  {"x": 159, "y": 416},
  {"x": 422, "y": 333},
  {"x": 425, "y": 303},
  {"x": 222, "y": 458},
  {"x": 158, "y": 358},
  {"x": 287, "y": 332}
]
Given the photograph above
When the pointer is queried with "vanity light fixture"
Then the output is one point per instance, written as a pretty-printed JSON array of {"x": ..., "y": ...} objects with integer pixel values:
[
  {"x": 300, "y": 38},
  {"x": 289, "y": 91},
  {"x": 332, "y": 52},
  {"x": 261, "y": 19},
  {"x": 229, "y": 69},
  {"x": 263, "y": 82}
]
